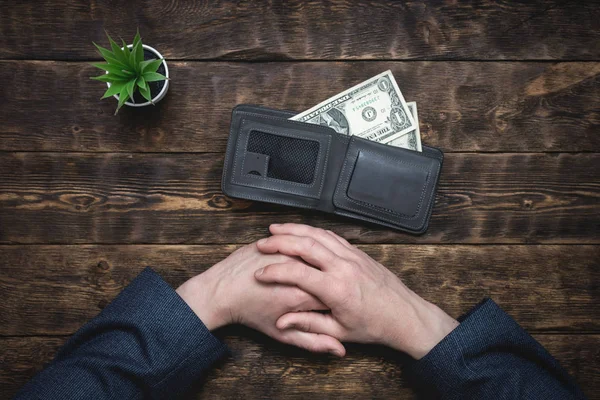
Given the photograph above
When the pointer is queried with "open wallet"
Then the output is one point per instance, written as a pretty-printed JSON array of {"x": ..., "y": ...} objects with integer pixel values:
[{"x": 272, "y": 159}]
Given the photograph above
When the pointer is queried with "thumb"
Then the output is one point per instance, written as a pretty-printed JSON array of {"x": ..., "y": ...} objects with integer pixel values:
[{"x": 313, "y": 342}]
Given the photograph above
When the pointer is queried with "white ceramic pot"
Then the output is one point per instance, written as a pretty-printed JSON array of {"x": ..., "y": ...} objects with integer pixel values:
[{"x": 164, "y": 89}]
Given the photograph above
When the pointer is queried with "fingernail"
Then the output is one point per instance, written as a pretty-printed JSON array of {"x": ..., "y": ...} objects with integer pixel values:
[
  {"x": 262, "y": 241},
  {"x": 259, "y": 272},
  {"x": 336, "y": 353},
  {"x": 275, "y": 225}
]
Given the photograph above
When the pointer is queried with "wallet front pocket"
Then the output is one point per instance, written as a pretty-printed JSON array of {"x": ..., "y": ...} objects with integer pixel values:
[
  {"x": 402, "y": 185},
  {"x": 280, "y": 158},
  {"x": 388, "y": 184}
]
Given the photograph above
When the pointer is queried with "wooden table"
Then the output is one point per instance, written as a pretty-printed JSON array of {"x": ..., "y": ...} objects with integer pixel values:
[{"x": 511, "y": 93}]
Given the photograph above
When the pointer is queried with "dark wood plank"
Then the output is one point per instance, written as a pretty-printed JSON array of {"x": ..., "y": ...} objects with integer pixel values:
[
  {"x": 341, "y": 29},
  {"x": 262, "y": 368},
  {"x": 177, "y": 198},
  {"x": 546, "y": 288},
  {"x": 463, "y": 106}
]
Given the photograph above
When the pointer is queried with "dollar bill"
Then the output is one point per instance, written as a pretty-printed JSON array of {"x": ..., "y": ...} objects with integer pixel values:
[
  {"x": 411, "y": 140},
  {"x": 374, "y": 109}
]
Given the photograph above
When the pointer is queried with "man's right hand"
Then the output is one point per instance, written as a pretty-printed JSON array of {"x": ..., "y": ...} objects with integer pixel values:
[
  {"x": 227, "y": 293},
  {"x": 369, "y": 304}
]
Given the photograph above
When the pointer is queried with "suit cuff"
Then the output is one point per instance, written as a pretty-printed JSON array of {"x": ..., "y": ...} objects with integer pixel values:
[
  {"x": 444, "y": 368},
  {"x": 179, "y": 345}
]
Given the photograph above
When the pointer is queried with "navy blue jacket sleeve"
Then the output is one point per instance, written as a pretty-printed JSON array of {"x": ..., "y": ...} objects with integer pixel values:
[
  {"x": 489, "y": 356},
  {"x": 147, "y": 343}
]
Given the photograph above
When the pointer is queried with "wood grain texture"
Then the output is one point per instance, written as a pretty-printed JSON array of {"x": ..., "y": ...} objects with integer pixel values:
[
  {"x": 463, "y": 106},
  {"x": 177, "y": 198},
  {"x": 283, "y": 30},
  {"x": 545, "y": 288},
  {"x": 521, "y": 180},
  {"x": 262, "y": 368}
]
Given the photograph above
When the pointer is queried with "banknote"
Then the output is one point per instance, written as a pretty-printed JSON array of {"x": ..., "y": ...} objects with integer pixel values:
[
  {"x": 374, "y": 109},
  {"x": 411, "y": 140}
]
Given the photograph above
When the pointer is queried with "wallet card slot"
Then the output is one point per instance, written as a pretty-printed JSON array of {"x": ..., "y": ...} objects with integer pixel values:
[
  {"x": 255, "y": 164},
  {"x": 280, "y": 158}
]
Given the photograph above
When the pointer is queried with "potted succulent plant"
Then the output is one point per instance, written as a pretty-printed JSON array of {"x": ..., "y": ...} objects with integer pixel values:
[{"x": 136, "y": 75}]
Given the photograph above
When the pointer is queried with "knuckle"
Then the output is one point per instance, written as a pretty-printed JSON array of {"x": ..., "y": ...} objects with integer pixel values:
[
  {"x": 340, "y": 288},
  {"x": 297, "y": 297},
  {"x": 309, "y": 243},
  {"x": 299, "y": 323},
  {"x": 334, "y": 259},
  {"x": 320, "y": 232},
  {"x": 306, "y": 273},
  {"x": 305, "y": 325},
  {"x": 341, "y": 291},
  {"x": 349, "y": 266}
]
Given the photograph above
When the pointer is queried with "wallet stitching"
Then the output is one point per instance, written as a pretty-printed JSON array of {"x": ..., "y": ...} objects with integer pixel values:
[
  {"x": 378, "y": 221},
  {"x": 231, "y": 142},
  {"x": 337, "y": 194},
  {"x": 284, "y": 190},
  {"x": 276, "y": 201}
]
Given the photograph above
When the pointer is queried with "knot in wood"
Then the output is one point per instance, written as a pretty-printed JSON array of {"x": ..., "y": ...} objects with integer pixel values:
[{"x": 103, "y": 265}]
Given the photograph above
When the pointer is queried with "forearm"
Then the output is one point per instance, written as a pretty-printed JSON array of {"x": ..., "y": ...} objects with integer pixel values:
[
  {"x": 147, "y": 343},
  {"x": 490, "y": 356}
]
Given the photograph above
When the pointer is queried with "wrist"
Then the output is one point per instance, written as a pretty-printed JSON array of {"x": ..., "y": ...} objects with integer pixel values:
[
  {"x": 428, "y": 326},
  {"x": 199, "y": 295},
  {"x": 435, "y": 326}
]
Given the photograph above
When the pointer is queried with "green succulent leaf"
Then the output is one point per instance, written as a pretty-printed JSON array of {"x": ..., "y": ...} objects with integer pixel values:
[
  {"x": 140, "y": 55},
  {"x": 126, "y": 51},
  {"x": 115, "y": 88},
  {"x": 110, "y": 78},
  {"x": 123, "y": 97},
  {"x": 150, "y": 65},
  {"x": 113, "y": 69},
  {"x": 141, "y": 82},
  {"x": 108, "y": 56},
  {"x": 138, "y": 49},
  {"x": 130, "y": 86},
  {"x": 153, "y": 77},
  {"x": 137, "y": 39},
  {"x": 137, "y": 55},
  {"x": 118, "y": 52},
  {"x": 145, "y": 92}
]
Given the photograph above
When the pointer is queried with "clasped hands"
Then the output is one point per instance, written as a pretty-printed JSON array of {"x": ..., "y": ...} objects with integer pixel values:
[{"x": 311, "y": 288}]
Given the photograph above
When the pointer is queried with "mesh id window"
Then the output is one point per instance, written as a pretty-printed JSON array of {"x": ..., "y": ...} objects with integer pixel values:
[{"x": 290, "y": 159}]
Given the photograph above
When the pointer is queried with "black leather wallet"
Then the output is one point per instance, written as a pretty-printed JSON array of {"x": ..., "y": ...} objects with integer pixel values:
[{"x": 270, "y": 158}]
